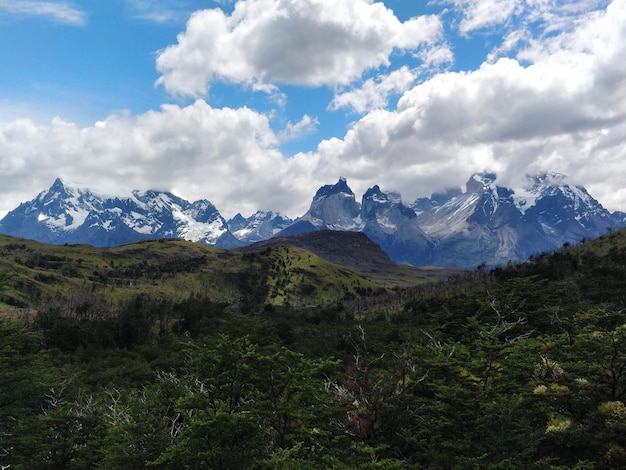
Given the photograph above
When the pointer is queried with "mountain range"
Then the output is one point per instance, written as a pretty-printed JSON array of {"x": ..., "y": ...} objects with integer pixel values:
[{"x": 484, "y": 224}]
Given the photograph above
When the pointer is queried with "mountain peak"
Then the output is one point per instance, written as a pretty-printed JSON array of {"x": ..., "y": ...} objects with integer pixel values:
[
  {"x": 59, "y": 187},
  {"x": 487, "y": 223},
  {"x": 59, "y": 191},
  {"x": 328, "y": 190},
  {"x": 479, "y": 182},
  {"x": 58, "y": 184},
  {"x": 375, "y": 194},
  {"x": 61, "y": 184}
]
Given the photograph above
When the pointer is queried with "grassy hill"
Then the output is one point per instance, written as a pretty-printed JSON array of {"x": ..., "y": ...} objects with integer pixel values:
[
  {"x": 356, "y": 251},
  {"x": 33, "y": 273}
]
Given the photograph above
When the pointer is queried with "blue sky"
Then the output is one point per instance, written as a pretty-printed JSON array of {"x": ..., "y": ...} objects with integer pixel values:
[{"x": 254, "y": 104}]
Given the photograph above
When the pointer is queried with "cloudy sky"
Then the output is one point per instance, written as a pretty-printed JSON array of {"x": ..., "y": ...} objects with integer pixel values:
[{"x": 254, "y": 104}]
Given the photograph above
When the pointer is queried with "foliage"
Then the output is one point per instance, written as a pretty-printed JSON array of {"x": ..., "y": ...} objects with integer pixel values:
[{"x": 520, "y": 367}]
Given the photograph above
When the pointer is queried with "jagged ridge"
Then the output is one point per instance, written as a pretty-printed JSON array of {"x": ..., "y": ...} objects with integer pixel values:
[{"x": 486, "y": 223}]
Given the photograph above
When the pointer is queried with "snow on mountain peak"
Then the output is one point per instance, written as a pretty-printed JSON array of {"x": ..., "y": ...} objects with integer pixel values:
[
  {"x": 374, "y": 194},
  {"x": 480, "y": 182},
  {"x": 328, "y": 190},
  {"x": 549, "y": 178},
  {"x": 487, "y": 222}
]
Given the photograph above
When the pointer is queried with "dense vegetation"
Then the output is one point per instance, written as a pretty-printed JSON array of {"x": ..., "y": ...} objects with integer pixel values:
[{"x": 520, "y": 367}]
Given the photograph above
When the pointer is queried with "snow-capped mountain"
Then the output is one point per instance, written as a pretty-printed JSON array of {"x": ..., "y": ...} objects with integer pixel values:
[
  {"x": 495, "y": 224},
  {"x": 334, "y": 207},
  {"x": 479, "y": 225},
  {"x": 564, "y": 211},
  {"x": 485, "y": 223},
  {"x": 66, "y": 213},
  {"x": 259, "y": 226},
  {"x": 381, "y": 216}
]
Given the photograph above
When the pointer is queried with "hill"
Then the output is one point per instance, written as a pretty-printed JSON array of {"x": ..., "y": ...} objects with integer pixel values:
[
  {"x": 33, "y": 273},
  {"x": 355, "y": 251}
]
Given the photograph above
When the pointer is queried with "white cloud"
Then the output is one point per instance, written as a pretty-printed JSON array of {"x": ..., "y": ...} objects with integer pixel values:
[
  {"x": 306, "y": 126},
  {"x": 162, "y": 11},
  {"x": 374, "y": 94},
  {"x": 301, "y": 42},
  {"x": 479, "y": 14},
  {"x": 57, "y": 11}
]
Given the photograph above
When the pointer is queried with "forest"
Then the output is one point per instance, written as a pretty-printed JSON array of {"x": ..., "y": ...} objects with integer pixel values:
[{"x": 518, "y": 367}]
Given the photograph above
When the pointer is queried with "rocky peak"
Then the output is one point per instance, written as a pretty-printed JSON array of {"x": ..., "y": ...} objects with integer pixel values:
[
  {"x": 480, "y": 182},
  {"x": 330, "y": 189},
  {"x": 375, "y": 201},
  {"x": 259, "y": 226}
]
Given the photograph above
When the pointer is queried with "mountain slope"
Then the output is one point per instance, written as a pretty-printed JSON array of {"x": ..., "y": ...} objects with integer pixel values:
[
  {"x": 381, "y": 216},
  {"x": 479, "y": 225},
  {"x": 494, "y": 225},
  {"x": 394, "y": 227},
  {"x": 333, "y": 207},
  {"x": 565, "y": 212}
]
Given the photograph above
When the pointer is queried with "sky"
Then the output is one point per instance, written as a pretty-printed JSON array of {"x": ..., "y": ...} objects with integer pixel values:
[{"x": 255, "y": 104}]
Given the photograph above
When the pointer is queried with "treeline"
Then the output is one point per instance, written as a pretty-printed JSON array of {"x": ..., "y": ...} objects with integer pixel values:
[{"x": 520, "y": 367}]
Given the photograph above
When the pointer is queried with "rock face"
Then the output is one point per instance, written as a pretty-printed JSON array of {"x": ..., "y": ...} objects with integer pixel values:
[
  {"x": 69, "y": 214},
  {"x": 493, "y": 224},
  {"x": 334, "y": 207},
  {"x": 565, "y": 212},
  {"x": 394, "y": 227},
  {"x": 479, "y": 225},
  {"x": 381, "y": 216},
  {"x": 485, "y": 223}
]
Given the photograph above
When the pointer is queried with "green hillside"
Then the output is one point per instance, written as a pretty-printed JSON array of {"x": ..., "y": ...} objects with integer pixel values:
[
  {"x": 356, "y": 251},
  {"x": 33, "y": 273},
  {"x": 172, "y": 355}
]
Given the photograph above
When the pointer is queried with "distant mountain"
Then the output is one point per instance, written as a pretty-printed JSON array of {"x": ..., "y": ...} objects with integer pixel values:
[
  {"x": 485, "y": 223},
  {"x": 68, "y": 214},
  {"x": 394, "y": 227},
  {"x": 381, "y": 216},
  {"x": 565, "y": 212},
  {"x": 259, "y": 226},
  {"x": 334, "y": 207},
  {"x": 492, "y": 224}
]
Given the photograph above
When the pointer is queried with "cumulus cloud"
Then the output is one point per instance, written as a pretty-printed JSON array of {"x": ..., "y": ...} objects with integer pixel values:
[
  {"x": 301, "y": 42},
  {"x": 292, "y": 131},
  {"x": 57, "y": 11},
  {"x": 374, "y": 93}
]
